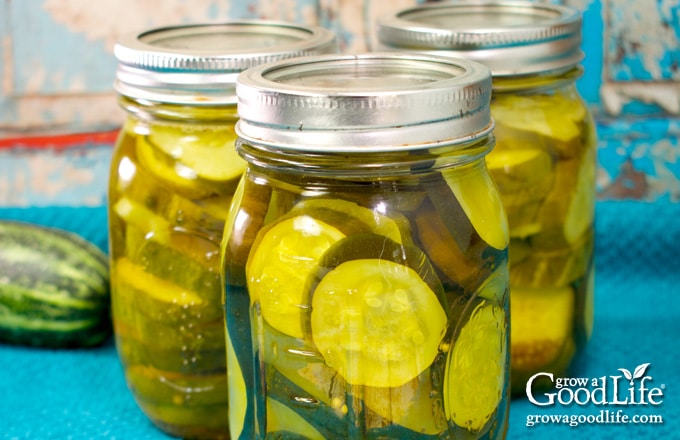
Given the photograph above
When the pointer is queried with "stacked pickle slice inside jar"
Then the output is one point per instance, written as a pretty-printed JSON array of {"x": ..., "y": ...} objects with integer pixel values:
[
  {"x": 366, "y": 262},
  {"x": 174, "y": 173},
  {"x": 165, "y": 232},
  {"x": 544, "y": 161},
  {"x": 550, "y": 207}
]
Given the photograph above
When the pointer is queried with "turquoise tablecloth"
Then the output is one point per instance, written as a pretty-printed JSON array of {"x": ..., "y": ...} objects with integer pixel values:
[{"x": 81, "y": 394}]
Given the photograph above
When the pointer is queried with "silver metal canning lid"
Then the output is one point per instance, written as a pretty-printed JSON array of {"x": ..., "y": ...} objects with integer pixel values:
[
  {"x": 198, "y": 64},
  {"x": 510, "y": 37},
  {"x": 367, "y": 102}
]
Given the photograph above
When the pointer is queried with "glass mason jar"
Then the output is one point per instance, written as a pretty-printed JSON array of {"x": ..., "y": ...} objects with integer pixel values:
[
  {"x": 173, "y": 174},
  {"x": 365, "y": 254},
  {"x": 544, "y": 162}
]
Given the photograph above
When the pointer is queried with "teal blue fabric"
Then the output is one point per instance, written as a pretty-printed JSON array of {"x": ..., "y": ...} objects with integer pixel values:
[{"x": 81, "y": 394}]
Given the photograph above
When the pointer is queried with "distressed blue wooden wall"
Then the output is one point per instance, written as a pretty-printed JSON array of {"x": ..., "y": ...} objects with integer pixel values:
[
  {"x": 632, "y": 83},
  {"x": 58, "y": 112}
]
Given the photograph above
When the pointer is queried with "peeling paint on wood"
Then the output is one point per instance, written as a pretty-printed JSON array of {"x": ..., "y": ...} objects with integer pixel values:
[
  {"x": 57, "y": 55},
  {"x": 640, "y": 159},
  {"x": 47, "y": 177},
  {"x": 641, "y": 57},
  {"x": 57, "y": 69}
]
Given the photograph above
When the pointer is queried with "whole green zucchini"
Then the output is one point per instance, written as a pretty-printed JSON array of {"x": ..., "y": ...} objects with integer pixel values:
[{"x": 54, "y": 287}]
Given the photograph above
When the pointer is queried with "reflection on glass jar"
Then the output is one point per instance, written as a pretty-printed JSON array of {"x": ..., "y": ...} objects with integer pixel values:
[
  {"x": 366, "y": 253},
  {"x": 544, "y": 162},
  {"x": 174, "y": 172}
]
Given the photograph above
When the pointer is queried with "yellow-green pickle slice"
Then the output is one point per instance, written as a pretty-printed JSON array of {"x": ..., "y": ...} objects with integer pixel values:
[
  {"x": 193, "y": 403},
  {"x": 541, "y": 325},
  {"x": 163, "y": 292},
  {"x": 300, "y": 361},
  {"x": 522, "y": 175},
  {"x": 443, "y": 248},
  {"x": 532, "y": 267},
  {"x": 568, "y": 210},
  {"x": 415, "y": 405},
  {"x": 479, "y": 198},
  {"x": 197, "y": 161},
  {"x": 342, "y": 213},
  {"x": 145, "y": 225},
  {"x": 285, "y": 254},
  {"x": 278, "y": 268},
  {"x": 554, "y": 116},
  {"x": 475, "y": 369},
  {"x": 280, "y": 418},
  {"x": 376, "y": 322}
]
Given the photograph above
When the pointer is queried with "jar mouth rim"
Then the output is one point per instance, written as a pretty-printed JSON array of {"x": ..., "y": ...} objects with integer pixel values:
[
  {"x": 373, "y": 101},
  {"x": 335, "y": 141},
  {"x": 197, "y": 64},
  {"x": 505, "y": 23},
  {"x": 511, "y": 37},
  {"x": 254, "y": 42}
]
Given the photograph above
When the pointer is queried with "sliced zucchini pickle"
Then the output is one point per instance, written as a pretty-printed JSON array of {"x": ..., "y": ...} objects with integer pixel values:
[
  {"x": 182, "y": 390},
  {"x": 145, "y": 224},
  {"x": 522, "y": 175},
  {"x": 417, "y": 405},
  {"x": 238, "y": 402},
  {"x": 442, "y": 203},
  {"x": 475, "y": 368},
  {"x": 351, "y": 217},
  {"x": 542, "y": 320},
  {"x": 237, "y": 242},
  {"x": 568, "y": 210},
  {"x": 195, "y": 161},
  {"x": 282, "y": 258},
  {"x": 444, "y": 249},
  {"x": 495, "y": 286},
  {"x": 518, "y": 250},
  {"x": 160, "y": 290},
  {"x": 376, "y": 322},
  {"x": 300, "y": 362},
  {"x": 554, "y": 116},
  {"x": 373, "y": 246},
  {"x": 192, "y": 263},
  {"x": 142, "y": 299},
  {"x": 523, "y": 219},
  {"x": 148, "y": 283},
  {"x": 285, "y": 423},
  {"x": 478, "y": 196},
  {"x": 581, "y": 211},
  {"x": 141, "y": 217},
  {"x": 554, "y": 267},
  {"x": 511, "y": 138}
]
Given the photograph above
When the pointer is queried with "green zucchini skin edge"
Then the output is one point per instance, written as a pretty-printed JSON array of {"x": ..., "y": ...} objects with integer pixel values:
[{"x": 54, "y": 288}]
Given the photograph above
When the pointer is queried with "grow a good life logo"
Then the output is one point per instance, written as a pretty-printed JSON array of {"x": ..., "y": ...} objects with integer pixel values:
[
  {"x": 631, "y": 388},
  {"x": 605, "y": 390}
]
